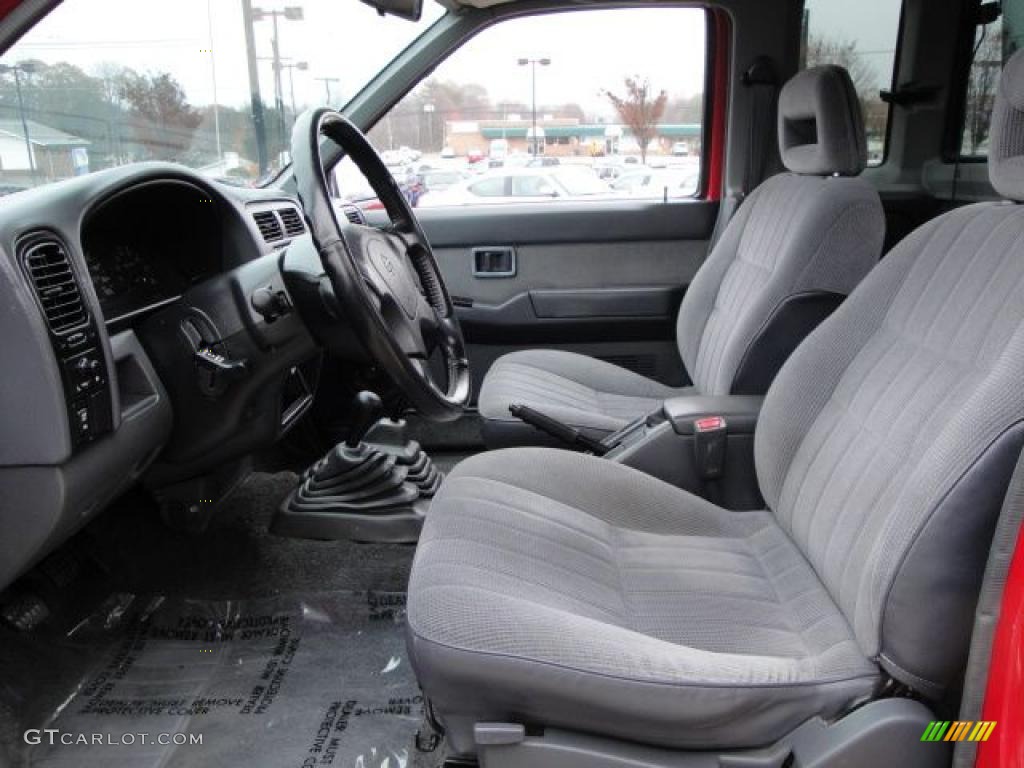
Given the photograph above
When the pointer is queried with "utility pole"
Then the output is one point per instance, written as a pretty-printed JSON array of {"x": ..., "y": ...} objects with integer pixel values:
[
  {"x": 327, "y": 86},
  {"x": 254, "y": 87},
  {"x": 290, "y": 13}
]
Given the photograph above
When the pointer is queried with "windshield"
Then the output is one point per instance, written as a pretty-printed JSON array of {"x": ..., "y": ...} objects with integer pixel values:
[{"x": 176, "y": 81}]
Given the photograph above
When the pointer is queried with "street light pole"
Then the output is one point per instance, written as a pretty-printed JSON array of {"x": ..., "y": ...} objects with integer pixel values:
[
  {"x": 17, "y": 69},
  {"x": 428, "y": 110},
  {"x": 278, "y": 89},
  {"x": 24, "y": 125},
  {"x": 533, "y": 96}
]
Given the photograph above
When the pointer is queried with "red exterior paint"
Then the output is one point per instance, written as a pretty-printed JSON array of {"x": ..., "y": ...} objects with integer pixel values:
[
  {"x": 6, "y": 6},
  {"x": 1004, "y": 699},
  {"x": 719, "y": 104}
]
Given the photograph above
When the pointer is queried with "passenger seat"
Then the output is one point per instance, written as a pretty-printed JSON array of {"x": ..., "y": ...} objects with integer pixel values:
[{"x": 797, "y": 246}]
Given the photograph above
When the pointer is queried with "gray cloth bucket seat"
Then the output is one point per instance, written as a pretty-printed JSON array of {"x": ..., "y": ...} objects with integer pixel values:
[
  {"x": 569, "y": 591},
  {"x": 798, "y": 245}
]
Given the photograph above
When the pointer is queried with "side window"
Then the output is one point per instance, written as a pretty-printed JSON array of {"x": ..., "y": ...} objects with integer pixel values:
[
  {"x": 542, "y": 92},
  {"x": 862, "y": 37},
  {"x": 490, "y": 187},
  {"x": 532, "y": 186},
  {"x": 993, "y": 44}
]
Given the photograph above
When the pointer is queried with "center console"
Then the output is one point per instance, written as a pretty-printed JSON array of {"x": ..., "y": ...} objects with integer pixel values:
[{"x": 704, "y": 445}]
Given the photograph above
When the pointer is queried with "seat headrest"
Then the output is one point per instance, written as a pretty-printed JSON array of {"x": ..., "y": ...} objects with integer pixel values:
[
  {"x": 821, "y": 128},
  {"x": 1006, "y": 135}
]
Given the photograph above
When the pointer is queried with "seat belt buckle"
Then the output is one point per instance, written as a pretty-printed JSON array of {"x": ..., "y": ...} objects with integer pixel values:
[{"x": 710, "y": 434}]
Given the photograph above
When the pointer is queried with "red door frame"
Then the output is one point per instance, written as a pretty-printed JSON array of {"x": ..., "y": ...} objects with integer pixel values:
[
  {"x": 721, "y": 30},
  {"x": 1004, "y": 697}
]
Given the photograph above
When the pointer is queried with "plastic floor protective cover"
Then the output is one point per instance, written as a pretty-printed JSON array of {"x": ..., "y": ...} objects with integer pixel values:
[{"x": 300, "y": 680}]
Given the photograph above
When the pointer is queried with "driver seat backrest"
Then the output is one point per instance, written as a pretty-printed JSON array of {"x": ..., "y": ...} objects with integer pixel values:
[
  {"x": 795, "y": 248},
  {"x": 887, "y": 441}
]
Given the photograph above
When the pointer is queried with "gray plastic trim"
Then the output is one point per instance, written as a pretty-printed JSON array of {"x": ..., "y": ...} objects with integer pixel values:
[
  {"x": 46, "y": 504},
  {"x": 886, "y": 732}
]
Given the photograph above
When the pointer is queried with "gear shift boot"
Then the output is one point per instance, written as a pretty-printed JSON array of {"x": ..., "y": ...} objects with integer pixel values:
[{"x": 376, "y": 486}]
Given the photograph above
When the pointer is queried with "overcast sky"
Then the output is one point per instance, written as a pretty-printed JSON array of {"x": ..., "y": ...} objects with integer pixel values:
[{"x": 346, "y": 39}]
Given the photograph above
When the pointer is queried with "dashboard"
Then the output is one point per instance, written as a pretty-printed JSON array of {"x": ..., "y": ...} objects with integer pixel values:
[{"x": 135, "y": 310}]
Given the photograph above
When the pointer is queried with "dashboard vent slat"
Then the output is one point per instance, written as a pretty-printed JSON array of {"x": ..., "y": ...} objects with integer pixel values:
[
  {"x": 53, "y": 280},
  {"x": 270, "y": 226},
  {"x": 293, "y": 226},
  {"x": 354, "y": 214}
]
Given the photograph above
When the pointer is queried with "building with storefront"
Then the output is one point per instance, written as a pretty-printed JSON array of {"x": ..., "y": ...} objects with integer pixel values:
[{"x": 565, "y": 137}]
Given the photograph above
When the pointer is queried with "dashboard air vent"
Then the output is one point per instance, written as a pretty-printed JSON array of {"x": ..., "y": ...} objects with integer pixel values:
[
  {"x": 270, "y": 226},
  {"x": 293, "y": 226},
  {"x": 354, "y": 214},
  {"x": 47, "y": 265}
]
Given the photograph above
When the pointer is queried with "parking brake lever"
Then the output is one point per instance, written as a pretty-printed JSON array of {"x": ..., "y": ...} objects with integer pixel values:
[{"x": 565, "y": 433}]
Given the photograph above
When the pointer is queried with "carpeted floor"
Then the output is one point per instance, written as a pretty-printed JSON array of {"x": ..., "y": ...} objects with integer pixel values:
[
  {"x": 237, "y": 557},
  {"x": 234, "y": 569}
]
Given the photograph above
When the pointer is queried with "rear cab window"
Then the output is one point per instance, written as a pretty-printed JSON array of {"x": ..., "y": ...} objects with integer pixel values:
[
  {"x": 994, "y": 43},
  {"x": 863, "y": 37}
]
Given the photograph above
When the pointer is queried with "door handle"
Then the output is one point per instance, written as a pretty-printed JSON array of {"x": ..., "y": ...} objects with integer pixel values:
[{"x": 494, "y": 261}]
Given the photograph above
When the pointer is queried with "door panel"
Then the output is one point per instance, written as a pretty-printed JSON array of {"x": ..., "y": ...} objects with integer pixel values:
[{"x": 599, "y": 279}]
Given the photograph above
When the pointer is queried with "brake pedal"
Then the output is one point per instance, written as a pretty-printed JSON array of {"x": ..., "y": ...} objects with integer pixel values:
[{"x": 24, "y": 612}]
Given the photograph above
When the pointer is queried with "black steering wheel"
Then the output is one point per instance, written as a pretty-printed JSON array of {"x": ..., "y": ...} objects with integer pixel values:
[{"x": 386, "y": 280}]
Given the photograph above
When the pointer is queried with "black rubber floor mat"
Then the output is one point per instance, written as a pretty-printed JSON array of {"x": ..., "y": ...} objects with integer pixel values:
[{"x": 301, "y": 680}]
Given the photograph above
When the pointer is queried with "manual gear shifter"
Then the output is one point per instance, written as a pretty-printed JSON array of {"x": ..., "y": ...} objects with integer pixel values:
[
  {"x": 375, "y": 489},
  {"x": 367, "y": 409}
]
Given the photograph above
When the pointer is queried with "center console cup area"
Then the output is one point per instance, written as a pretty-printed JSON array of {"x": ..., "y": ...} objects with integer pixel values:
[{"x": 702, "y": 444}]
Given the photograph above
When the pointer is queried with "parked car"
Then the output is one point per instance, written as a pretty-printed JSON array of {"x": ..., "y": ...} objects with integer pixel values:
[
  {"x": 657, "y": 182},
  {"x": 521, "y": 185},
  {"x": 543, "y": 161},
  {"x": 440, "y": 179}
]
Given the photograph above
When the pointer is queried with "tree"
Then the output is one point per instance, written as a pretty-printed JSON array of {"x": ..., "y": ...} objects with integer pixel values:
[
  {"x": 822, "y": 50},
  {"x": 640, "y": 110},
  {"x": 685, "y": 109},
  {"x": 981, "y": 86},
  {"x": 409, "y": 124},
  {"x": 164, "y": 121}
]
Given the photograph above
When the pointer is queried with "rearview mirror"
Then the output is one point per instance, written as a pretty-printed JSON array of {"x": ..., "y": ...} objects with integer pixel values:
[{"x": 411, "y": 10}]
